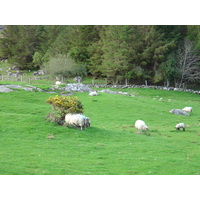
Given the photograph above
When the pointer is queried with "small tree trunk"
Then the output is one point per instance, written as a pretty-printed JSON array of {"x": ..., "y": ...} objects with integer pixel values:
[
  {"x": 126, "y": 81},
  {"x": 168, "y": 83}
]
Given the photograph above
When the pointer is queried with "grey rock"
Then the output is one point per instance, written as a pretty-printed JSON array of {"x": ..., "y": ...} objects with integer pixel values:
[
  {"x": 28, "y": 89},
  {"x": 179, "y": 112},
  {"x": 5, "y": 89},
  {"x": 78, "y": 79},
  {"x": 114, "y": 92},
  {"x": 76, "y": 87},
  {"x": 14, "y": 86}
]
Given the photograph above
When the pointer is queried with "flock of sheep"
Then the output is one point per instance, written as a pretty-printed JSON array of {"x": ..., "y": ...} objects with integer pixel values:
[
  {"x": 79, "y": 120},
  {"x": 141, "y": 126}
]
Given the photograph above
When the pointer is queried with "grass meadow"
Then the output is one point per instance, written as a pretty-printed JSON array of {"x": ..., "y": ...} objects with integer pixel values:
[{"x": 111, "y": 146}]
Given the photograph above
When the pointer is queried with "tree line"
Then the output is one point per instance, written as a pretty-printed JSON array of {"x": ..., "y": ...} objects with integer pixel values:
[{"x": 166, "y": 54}]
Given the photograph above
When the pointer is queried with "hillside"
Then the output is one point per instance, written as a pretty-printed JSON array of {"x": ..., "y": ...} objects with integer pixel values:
[{"x": 111, "y": 145}]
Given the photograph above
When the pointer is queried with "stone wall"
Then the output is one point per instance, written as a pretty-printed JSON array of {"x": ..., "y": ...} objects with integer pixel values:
[{"x": 144, "y": 86}]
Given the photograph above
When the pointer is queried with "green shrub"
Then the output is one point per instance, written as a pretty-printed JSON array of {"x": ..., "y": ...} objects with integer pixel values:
[
  {"x": 60, "y": 65},
  {"x": 62, "y": 106}
]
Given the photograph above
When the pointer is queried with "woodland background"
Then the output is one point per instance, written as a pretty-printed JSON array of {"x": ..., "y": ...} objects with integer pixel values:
[{"x": 123, "y": 54}]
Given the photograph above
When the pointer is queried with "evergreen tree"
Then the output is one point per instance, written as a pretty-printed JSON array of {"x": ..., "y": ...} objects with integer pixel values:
[
  {"x": 19, "y": 43},
  {"x": 116, "y": 55},
  {"x": 50, "y": 42},
  {"x": 84, "y": 36},
  {"x": 193, "y": 34}
]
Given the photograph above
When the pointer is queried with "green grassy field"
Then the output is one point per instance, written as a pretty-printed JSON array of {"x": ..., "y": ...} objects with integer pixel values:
[{"x": 111, "y": 146}]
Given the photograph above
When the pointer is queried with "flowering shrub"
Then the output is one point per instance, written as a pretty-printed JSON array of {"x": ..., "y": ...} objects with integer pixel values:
[{"x": 62, "y": 106}]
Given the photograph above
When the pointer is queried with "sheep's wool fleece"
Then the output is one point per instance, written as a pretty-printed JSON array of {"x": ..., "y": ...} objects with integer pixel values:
[
  {"x": 58, "y": 83},
  {"x": 93, "y": 93},
  {"x": 139, "y": 124},
  {"x": 187, "y": 109},
  {"x": 78, "y": 120},
  {"x": 180, "y": 125}
]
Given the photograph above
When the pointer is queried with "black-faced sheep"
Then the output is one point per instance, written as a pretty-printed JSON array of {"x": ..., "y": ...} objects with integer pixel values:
[
  {"x": 180, "y": 125},
  {"x": 77, "y": 120}
]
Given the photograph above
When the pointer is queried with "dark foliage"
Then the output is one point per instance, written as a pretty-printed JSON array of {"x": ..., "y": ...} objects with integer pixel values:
[{"x": 120, "y": 53}]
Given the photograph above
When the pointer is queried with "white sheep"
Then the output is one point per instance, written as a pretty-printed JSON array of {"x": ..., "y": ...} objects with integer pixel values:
[
  {"x": 57, "y": 82},
  {"x": 94, "y": 93},
  {"x": 187, "y": 109},
  {"x": 141, "y": 126},
  {"x": 77, "y": 120},
  {"x": 180, "y": 125}
]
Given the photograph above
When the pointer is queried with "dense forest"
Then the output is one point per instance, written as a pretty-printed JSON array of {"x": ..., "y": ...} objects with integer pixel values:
[{"x": 123, "y": 54}]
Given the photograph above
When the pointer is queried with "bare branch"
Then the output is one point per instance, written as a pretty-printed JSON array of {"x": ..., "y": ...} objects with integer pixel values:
[{"x": 188, "y": 63}]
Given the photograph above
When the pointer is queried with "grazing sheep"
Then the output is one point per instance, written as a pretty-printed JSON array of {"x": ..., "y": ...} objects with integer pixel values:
[
  {"x": 178, "y": 112},
  {"x": 141, "y": 126},
  {"x": 94, "y": 93},
  {"x": 57, "y": 82},
  {"x": 77, "y": 120},
  {"x": 187, "y": 109},
  {"x": 180, "y": 125}
]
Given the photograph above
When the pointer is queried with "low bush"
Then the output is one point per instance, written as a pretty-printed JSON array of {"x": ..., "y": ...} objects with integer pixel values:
[{"x": 62, "y": 106}]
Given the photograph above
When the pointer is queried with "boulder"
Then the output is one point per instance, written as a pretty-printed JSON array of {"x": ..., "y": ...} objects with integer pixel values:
[
  {"x": 78, "y": 79},
  {"x": 179, "y": 112},
  {"x": 5, "y": 89},
  {"x": 76, "y": 87}
]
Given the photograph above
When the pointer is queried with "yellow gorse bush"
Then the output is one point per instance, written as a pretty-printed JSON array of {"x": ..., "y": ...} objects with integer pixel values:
[{"x": 63, "y": 105}]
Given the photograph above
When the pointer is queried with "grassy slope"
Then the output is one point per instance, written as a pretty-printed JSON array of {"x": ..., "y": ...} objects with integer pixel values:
[{"x": 110, "y": 145}]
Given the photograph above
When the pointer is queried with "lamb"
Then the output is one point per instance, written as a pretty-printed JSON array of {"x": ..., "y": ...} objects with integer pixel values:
[
  {"x": 94, "y": 93},
  {"x": 180, "y": 125},
  {"x": 77, "y": 120},
  {"x": 57, "y": 82},
  {"x": 141, "y": 126},
  {"x": 187, "y": 109}
]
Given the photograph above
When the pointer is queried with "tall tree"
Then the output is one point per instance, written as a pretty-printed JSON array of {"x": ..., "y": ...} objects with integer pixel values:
[
  {"x": 156, "y": 48},
  {"x": 172, "y": 32},
  {"x": 115, "y": 58},
  {"x": 188, "y": 65},
  {"x": 19, "y": 44},
  {"x": 167, "y": 69},
  {"x": 84, "y": 36},
  {"x": 50, "y": 43}
]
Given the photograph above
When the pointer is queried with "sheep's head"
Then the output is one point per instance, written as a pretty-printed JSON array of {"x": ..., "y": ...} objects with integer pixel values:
[{"x": 87, "y": 122}]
